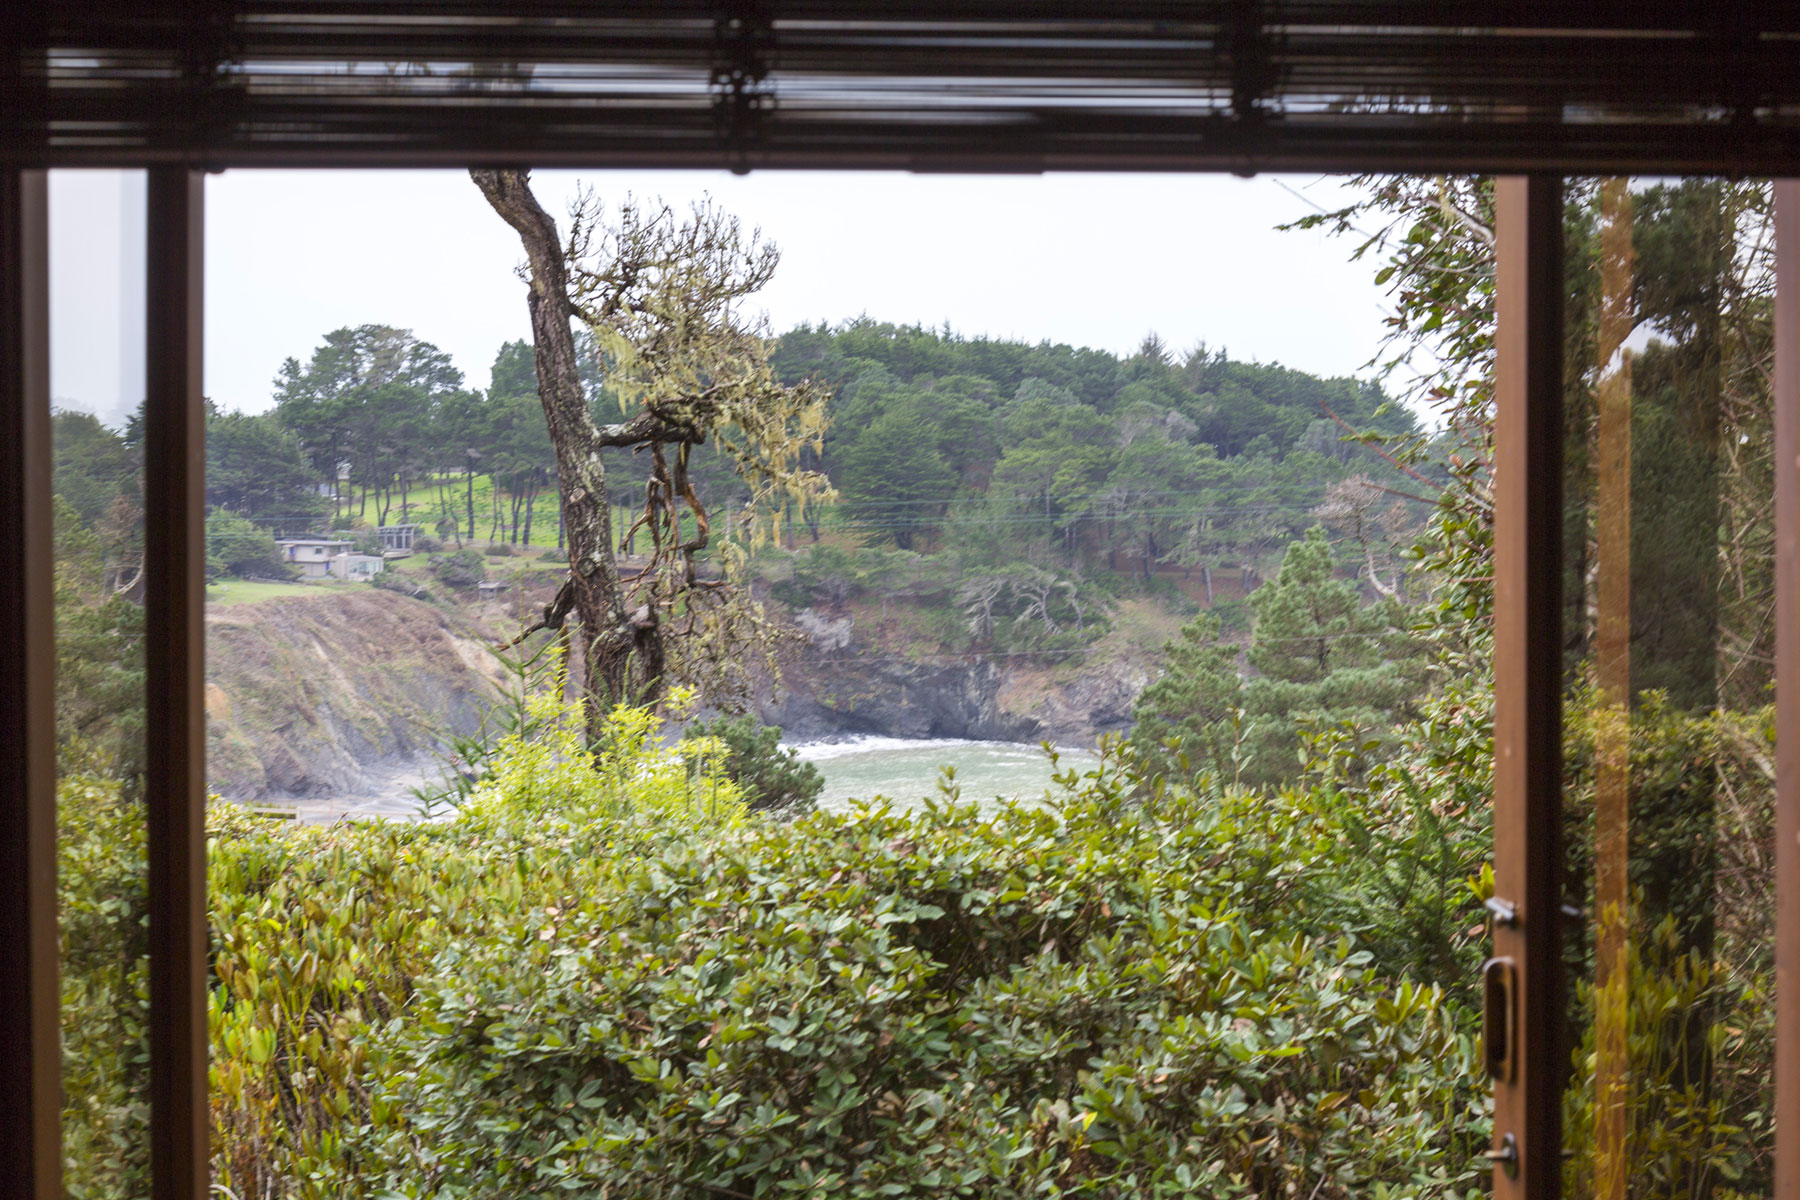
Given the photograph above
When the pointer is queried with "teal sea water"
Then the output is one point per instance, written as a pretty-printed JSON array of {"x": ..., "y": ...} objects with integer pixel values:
[
  {"x": 907, "y": 770},
  {"x": 902, "y": 770}
]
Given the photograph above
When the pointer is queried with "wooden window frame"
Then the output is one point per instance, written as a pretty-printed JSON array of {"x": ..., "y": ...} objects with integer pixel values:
[
  {"x": 1527, "y": 800},
  {"x": 175, "y": 681},
  {"x": 1528, "y": 850},
  {"x": 30, "y": 1050},
  {"x": 1787, "y": 687}
]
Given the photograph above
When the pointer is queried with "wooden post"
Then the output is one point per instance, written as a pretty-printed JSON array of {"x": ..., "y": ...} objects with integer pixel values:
[
  {"x": 1527, "y": 1148},
  {"x": 1787, "y": 689},
  {"x": 175, "y": 724},
  {"x": 1612, "y": 669},
  {"x": 30, "y": 1052}
]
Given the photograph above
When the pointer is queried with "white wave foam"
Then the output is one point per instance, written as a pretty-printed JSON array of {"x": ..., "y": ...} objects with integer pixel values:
[{"x": 875, "y": 744}]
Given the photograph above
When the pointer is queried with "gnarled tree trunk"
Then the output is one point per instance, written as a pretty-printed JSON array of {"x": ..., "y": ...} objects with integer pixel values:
[{"x": 622, "y": 650}]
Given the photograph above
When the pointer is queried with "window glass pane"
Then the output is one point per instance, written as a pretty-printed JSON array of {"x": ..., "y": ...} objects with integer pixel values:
[
  {"x": 1264, "y": 968},
  {"x": 97, "y": 388},
  {"x": 1668, "y": 747}
]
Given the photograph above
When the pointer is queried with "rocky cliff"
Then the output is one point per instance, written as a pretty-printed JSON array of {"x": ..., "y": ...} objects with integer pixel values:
[
  {"x": 850, "y": 675},
  {"x": 310, "y": 696},
  {"x": 833, "y": 686},
  {"x": 334, "y": 695}
]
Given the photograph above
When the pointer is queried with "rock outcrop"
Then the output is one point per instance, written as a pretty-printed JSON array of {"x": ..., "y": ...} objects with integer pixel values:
[
  {"x": 840, "y": 685},
  {"x": 309, "y": 696},
  {"x": 836, "y": 692}
]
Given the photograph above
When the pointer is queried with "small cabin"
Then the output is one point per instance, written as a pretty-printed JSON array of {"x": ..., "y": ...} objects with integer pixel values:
[
  {"x": 313, "y": 556},
  {"x": 349, "y": 567}
]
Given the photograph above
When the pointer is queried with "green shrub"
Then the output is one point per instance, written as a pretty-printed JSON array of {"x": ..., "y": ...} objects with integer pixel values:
[
  {"x": 236, "y": 546},
  {"x": 406, "y": 585},
  {"x": 465, "y": 568},
  {"x": 772, "y": 777},
  {"x": 603, "y": 976},
  {"x": 102, "y": 913},
  {"x": 875, "y": 1004},
  {"x": 498, "y": 550}
]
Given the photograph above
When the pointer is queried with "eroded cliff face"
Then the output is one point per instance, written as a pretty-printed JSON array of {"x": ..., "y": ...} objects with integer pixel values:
[
  {"x": 334, "y": 695},
  {"x": 309, "y": 696},
  {"x": 843, "y": 681},
  {"x": 1075, "y": 705},
  {"x": 832, "y": 686}
]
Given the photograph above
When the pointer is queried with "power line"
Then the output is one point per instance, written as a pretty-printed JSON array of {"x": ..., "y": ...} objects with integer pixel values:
[
  {"x": 980, "y": 655},
  {"x": 1070, "y": 509}
]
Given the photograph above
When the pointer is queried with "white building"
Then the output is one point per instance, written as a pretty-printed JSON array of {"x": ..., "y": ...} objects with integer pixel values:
[
  {"x": 397, "y": 540},
  {"x": 357, "y": 566},
  {"x": 313, "y": 555},
  {"x": 329, "y": 558}
]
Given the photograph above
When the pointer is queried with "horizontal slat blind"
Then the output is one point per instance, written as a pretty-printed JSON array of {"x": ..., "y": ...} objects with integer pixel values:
[{"x": 934, "y": 84}]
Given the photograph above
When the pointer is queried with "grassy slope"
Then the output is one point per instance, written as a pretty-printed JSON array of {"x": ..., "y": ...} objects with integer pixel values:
[
  {"x": 243, "y": 591},
  {"x": 422, "y": 508}
]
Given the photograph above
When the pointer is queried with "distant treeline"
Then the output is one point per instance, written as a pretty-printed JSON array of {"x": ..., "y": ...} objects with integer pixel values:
[
  {"x": 998, "y": 450},
  {"x": 1002, "y": 449}
]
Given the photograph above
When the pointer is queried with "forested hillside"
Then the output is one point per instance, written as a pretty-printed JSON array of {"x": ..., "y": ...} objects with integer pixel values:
[
  {"x": 1074, "y": 459},
  {"x": 991, "y": 497},
  {"x": 936, "y": 442}
]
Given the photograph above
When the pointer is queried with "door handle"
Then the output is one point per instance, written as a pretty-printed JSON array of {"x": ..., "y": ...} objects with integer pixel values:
[{"x": 1499, "y": 1024}]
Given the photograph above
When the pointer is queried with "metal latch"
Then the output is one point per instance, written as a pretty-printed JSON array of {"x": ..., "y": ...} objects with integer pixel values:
[{"x": 1507, "y": 1156}]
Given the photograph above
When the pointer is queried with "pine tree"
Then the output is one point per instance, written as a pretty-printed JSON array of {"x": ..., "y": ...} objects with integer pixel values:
[
  {"x": 1320, "y": 656},
  {"x": 1195, "y": 710},
  {"x": 902, "y": 482},
  {"x": 1323, "y": 658}
]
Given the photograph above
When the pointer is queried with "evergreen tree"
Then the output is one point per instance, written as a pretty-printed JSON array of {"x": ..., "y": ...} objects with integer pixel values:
[
  {"x": 899, "y": 479},
  {"x": 237, "y": 546},
  {"x": 1323, "y": 658},
  {"x": 257, "y": 468},
  {"x": 93, "y": 464},
  {"x": 1195, "y": 709}
]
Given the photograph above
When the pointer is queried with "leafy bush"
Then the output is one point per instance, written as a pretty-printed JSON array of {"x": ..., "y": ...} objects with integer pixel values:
[
  {"x": 1693, "y": 994},
  {"x": 498, "y": 550},
  {"x": 770, "y": 776},
  {"x": 604, "y": 977},
  {"x": 237, "y": 546},
  {"x": 406, "y": 585},
  {"x": 424, "y": 543},
  {"x": 1687, "y": 1133},
  {"x": 546, "y": 776},
  {"x": 874, "y": 1004},
  {"x": 103, "y": 908},
  {"x": 323, "y": 931},
  {"x": 465, "y": 568}
]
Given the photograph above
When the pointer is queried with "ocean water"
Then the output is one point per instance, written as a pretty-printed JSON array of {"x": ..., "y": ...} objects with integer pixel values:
[
  {"x": 904, "y": 770},
  {"x": 907, "y": 770}
]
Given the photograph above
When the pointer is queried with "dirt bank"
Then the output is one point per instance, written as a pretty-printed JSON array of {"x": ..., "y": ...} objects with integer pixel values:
[{"x": 307, "y": 695}]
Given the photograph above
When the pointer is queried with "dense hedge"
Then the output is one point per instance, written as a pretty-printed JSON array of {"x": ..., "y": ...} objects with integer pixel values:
[
  {"x": 604, "y": 979},
  {"x": 879, "y": 1004}
]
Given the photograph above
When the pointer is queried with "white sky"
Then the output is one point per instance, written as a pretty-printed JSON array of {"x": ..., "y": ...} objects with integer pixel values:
[{"x": 1094, "y": 260}]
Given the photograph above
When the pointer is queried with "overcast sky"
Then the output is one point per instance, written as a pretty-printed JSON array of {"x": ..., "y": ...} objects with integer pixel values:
[{"x": 1094, "y": 260}]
